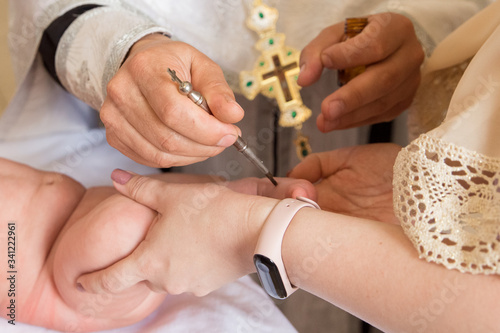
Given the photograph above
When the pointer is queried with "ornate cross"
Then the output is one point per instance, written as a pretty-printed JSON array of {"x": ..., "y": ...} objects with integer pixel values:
[
  {"x": 279, "y": 72},
  {"x": 275, "y": 73}
]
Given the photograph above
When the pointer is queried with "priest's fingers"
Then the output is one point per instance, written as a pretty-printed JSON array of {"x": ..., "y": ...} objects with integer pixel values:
[
  {"x": 160, "y": 148},
  {"x": 149, "y": 60},
  {"x": 143, "y": 94},
  {"x": 164, "y": 138},
  {"x": 179, "y": 113},
  {"x": 364, "y": 116},
  {"x": 385, "y": 34},
  {"x": 150, "y": 108},
  {"x": 311, "y": 64},
  {"x": 387, "y": 83},
  {"x": 208, "y": 79}
]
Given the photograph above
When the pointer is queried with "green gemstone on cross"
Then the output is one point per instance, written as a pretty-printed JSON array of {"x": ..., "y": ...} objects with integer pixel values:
[
  {"x": 271, "y": 88},
  {"x": 271, "y": 41},
  {"x": 262, "y": 63},
  {"x": 305, "y": 152},
  {"x": 249, "y": 83},
  {"x": 261, "y": 15},
  {"x": 289, "y": 53},
  {"x": 294, "y": 114}
]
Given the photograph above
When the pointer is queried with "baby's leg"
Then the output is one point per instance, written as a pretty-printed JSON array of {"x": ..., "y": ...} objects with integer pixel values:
[{"x": 103, "y": 232}]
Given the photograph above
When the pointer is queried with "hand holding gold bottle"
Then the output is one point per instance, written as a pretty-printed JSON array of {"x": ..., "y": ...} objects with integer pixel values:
[{"x": 353, "y": 27}]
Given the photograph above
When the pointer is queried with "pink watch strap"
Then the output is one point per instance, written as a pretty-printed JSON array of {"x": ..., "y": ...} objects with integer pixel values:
[{"x": 273, "y": 231}]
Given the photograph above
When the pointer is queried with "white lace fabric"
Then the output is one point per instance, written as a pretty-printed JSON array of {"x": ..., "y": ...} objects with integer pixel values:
[
  {"x": 447, "y": 181},
  {"x": 432, "y": 99},
  {"x": 448, "y": 201}
]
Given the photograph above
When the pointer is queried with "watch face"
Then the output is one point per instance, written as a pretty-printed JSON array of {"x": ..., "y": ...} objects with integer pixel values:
[{"x": 269, "y": 276}]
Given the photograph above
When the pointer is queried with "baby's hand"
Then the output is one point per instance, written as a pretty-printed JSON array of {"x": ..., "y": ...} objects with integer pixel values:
[{"x": 287, "y": 188}]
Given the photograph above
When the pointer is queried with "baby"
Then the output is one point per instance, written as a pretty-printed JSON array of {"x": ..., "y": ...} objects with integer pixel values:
[{"x": 63, "y": 230}]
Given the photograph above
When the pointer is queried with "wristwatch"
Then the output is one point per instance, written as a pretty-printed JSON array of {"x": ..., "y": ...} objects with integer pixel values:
[{"x": 267, "y": 256}]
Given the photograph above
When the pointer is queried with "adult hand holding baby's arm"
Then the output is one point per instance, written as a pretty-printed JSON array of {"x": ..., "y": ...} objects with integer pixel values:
[
  {"x": 203, "y": 237},
  {"x": 150, "y": 121}
]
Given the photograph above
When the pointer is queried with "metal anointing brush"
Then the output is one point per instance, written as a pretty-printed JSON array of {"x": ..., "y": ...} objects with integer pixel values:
[{"x": 186, "y": 88}]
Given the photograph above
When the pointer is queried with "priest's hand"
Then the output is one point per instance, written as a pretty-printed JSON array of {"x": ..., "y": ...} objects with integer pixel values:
[
  {"x": 389, "y": 47},
  {"x": 150, "y": 121},
  {"x": 202, "y": 238},
  {"x": 355, "y": 181}
]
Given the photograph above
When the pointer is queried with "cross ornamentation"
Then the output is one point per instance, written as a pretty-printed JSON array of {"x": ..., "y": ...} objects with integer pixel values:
[{"x": 276, "y": 70}]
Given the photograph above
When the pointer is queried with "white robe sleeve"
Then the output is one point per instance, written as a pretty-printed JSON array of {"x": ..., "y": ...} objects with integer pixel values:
[
  {"x": 434, "y": 19},
  {"x": 94, "y": 46},
  {"x": 90, "y": 51}
]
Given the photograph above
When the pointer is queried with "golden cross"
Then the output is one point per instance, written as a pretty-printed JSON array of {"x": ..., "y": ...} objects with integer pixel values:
[
  {"x": 279, "y": 72},
  {"x": 275, "y": 73}
]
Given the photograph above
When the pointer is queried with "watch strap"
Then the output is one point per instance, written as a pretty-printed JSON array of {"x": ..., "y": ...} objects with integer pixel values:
[{"x": 271, "y": 238}]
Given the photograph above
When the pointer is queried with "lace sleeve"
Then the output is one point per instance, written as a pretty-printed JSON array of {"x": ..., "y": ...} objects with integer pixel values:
[
  {"x": 431, "y": 102},
  {"x": 448, "y": 201}
]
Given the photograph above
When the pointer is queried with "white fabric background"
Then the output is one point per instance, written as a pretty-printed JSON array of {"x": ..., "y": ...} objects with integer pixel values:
[{"x": 44, "y": 125}]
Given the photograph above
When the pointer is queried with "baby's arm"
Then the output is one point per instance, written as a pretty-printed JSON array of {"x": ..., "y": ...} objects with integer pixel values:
[{"x": 105, "y": 228}]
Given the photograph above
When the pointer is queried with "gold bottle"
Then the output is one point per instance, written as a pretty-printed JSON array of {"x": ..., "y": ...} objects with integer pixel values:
[{"x": 352, "y": 27}]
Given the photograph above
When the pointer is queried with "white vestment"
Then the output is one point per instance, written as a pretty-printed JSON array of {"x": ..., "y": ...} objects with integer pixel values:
[
  {"x": 93, "y": 47},
  {"x": 49, "y": 128}
]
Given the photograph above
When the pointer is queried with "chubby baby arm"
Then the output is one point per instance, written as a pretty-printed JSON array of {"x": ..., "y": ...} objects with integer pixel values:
[{"x": 106, "y": 228}]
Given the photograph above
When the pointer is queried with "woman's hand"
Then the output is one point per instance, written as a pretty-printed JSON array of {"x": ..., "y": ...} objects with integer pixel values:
[
  {"x": 202, "y": 238},
  {"x": 355, "y": 181}
]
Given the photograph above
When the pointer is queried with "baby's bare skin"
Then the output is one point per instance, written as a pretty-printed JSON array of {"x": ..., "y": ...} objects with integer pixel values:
[{"x": 62, "y": 231}]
